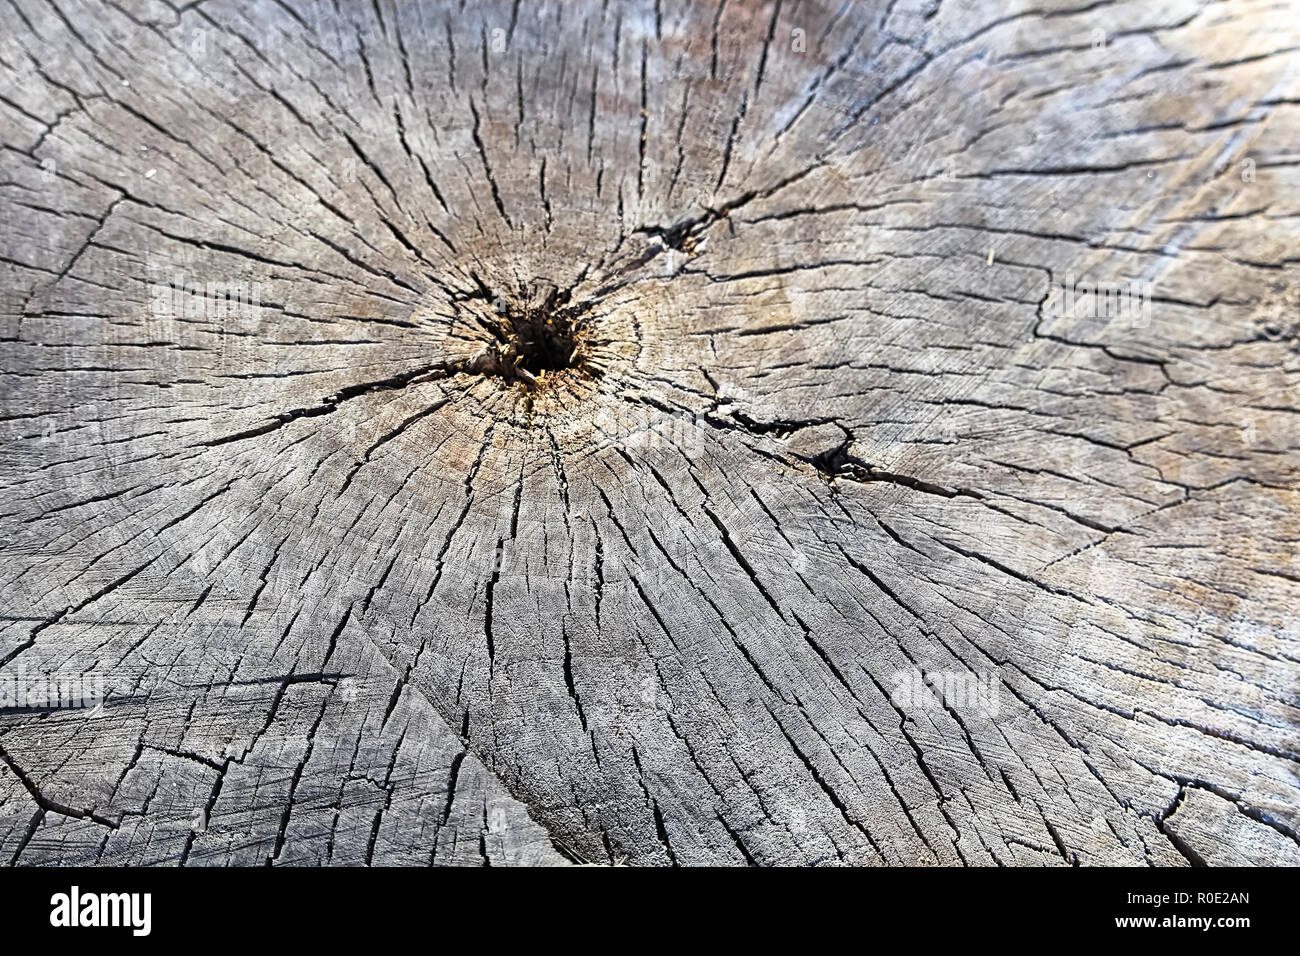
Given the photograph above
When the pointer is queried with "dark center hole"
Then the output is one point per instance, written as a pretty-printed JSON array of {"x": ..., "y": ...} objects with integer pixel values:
[
  {"x": 533, "y": 339},
  {"x": 544, "y": 341}
]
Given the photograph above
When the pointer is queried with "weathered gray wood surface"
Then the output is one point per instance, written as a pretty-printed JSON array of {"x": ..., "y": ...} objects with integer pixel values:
[{"x": 366, "y": 586}]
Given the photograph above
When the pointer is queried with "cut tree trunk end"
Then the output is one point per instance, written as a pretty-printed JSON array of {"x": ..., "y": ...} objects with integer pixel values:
[{"x": 662, "y": 432}]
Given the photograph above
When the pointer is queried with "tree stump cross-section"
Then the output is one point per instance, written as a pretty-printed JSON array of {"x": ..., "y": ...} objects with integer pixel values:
[{"x": 782, "y": 432}]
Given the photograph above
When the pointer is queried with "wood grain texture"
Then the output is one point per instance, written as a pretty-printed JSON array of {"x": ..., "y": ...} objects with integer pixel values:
[{"x": 374, "y": 577}]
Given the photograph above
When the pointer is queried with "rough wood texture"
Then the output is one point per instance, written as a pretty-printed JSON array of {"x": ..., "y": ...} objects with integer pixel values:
[{"x": 375, "y": 572}]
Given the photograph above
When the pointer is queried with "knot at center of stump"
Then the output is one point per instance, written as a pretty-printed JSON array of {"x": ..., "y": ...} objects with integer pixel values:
[{"x": 533, "y": 338}]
